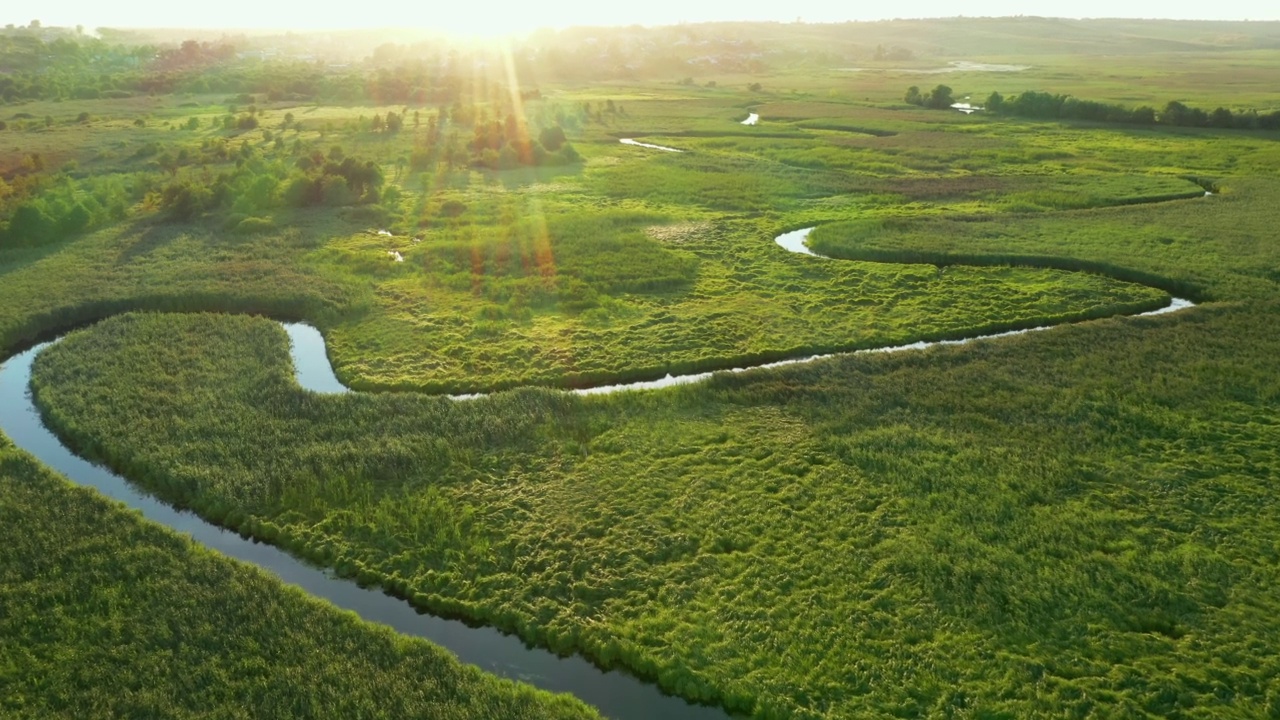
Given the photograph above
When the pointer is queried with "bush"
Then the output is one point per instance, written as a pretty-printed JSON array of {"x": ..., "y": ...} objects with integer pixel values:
[
  {"x": 184, "y": 200},
  {"x": 29, "y": 226},
  {"x": 568, "y": 155},
  {"x": 254, "y": 226},
  {"x": 335, "y": 192},
  {"x": 552, "y": 138}
]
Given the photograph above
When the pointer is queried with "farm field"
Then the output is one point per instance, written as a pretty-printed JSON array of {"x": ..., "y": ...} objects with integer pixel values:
[{"x": 1080, "y": 522}]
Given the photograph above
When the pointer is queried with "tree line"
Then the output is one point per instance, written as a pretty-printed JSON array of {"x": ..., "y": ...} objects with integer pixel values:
[
  {"x": 1050, "y": 106},
  {"x": 1064, "y": 107}
]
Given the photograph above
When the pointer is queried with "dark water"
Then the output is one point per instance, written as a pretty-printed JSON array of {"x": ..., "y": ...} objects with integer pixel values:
[{"x": 616, "y": 694}]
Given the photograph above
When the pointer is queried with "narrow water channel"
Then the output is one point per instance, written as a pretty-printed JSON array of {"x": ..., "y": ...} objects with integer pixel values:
[{"x": 637, "y": 143}]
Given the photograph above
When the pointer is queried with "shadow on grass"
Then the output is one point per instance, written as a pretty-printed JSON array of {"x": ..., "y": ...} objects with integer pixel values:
[{"x": 295, "y": 229}]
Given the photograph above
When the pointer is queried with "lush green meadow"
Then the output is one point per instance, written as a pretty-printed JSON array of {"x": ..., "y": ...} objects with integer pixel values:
[
  {"x": 1074, "y": 523},
  {"x": 108, "y": 615},
  {"x": 1062, "y": 522}
]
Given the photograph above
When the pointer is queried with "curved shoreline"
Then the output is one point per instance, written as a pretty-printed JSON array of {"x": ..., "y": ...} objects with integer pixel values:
[{"x": 314, "y": 372}]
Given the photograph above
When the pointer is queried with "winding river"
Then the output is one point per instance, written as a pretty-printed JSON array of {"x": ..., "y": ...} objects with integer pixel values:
[
  {"x": 314, "y": 373},
  {"x": 616, "y": 694}
]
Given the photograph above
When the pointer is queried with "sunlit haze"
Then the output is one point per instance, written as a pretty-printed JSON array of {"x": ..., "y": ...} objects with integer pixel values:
[{"x": 508, "y": 17}]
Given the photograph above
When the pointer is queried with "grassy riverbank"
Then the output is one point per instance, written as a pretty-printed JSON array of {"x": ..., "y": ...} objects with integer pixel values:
[
  {"x": 109, "y": 615},
  {"x": 1083, "y": 504}
]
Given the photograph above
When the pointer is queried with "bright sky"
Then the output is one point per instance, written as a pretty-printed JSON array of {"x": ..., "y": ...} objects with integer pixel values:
[{"x": 503, "y": 16}]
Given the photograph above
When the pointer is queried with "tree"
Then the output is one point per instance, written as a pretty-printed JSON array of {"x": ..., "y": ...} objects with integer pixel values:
[
  {"x": 76, "y": 219},
  {"x": 1173, "y": 113},
  {"x": 184, "y": 200},
  {"x": 568, "y": 155},
  {"x": 913, "y": 96},
  {"x": 1221, "y": 118},
  {"x": 995, "y": 101},
  {"x": 1145, "y": 115},
  {"x": 336, "y": 192},
  {"x": 30, "y": 225},
  {"x": 552, "y": 138},
  {"x": 940, "y": 98}
]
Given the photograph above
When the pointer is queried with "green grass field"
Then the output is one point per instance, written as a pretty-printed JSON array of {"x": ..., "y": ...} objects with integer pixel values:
[
  {"x": 108, "y": 615},
  {"x": 1074, "y": 523}
]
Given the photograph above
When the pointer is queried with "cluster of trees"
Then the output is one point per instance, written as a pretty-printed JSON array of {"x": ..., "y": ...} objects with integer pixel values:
[
  {"x": 392, "y": 124},
  {"x": 938, "y": 98},
  {"x": 89, "y": 68},
  {"x": 193, "y": 54},
  {"x": 84, "y": 68},
  {"x": 51, "y": 209},
  {"x": 1048, "y": 106},
  {"x": 334, "y": 182},
  {"x": 495, "y": 144},
  {"x": 258, "y": 184},
  {"x": 1044, "y": 105}
]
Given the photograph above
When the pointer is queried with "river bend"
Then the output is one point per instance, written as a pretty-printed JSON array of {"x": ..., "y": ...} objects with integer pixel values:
[{"x": 616, "y": 694}]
